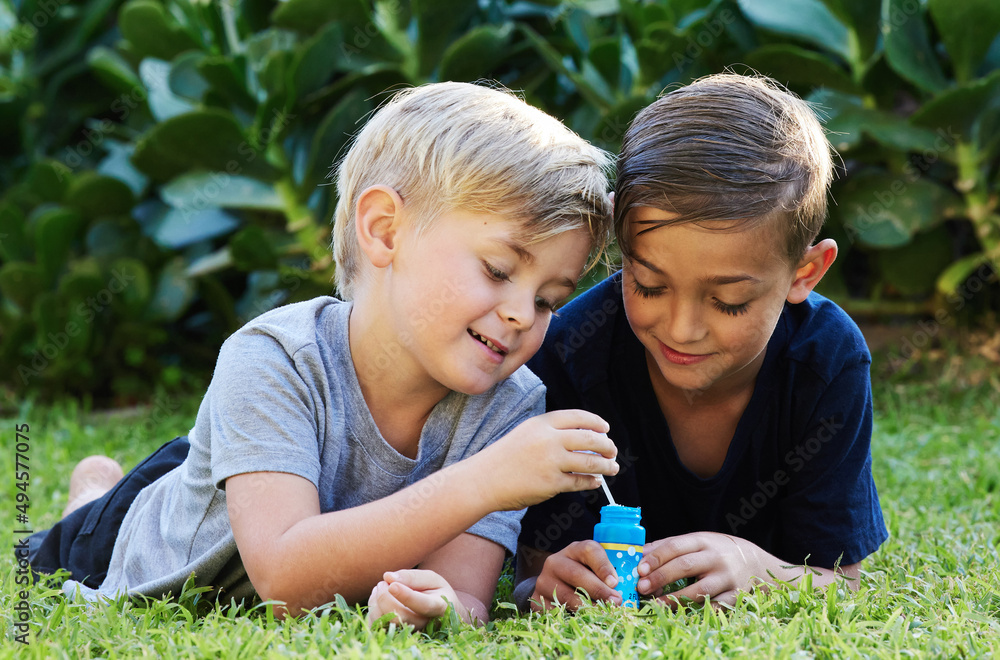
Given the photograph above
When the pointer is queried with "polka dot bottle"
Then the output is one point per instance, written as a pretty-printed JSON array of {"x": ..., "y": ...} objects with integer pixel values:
[{"x": 622, "y": 537}]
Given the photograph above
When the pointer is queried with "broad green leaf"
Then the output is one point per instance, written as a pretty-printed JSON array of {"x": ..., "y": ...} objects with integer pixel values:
[
  {"x": 49, "y": 179},
  {"x": 913, "y": 269},
  {"x": 202, "y": 190},
  {"x": 847, "y": 120},
  {"x": 55, "y": 231},
  {"x": 333, "y": 133},
  {"x": 95, "y": 195},
  {"x": 907, "y": 47},
  {"x": 554, "y": 59},
  {"x": 808, "y": 20},
  {"x": 185, "y": 80},
  {"x": 163, "y": 103},
  {"x": 14, "y": 245},
  {"x": 212, "y": 262},
  {"x": 111, "y": 68},
  {"x": 152, "y": 31},
  {"x": 661, "y": 49},
  {"x": 861, "y": 18},
  {"x": 967, "y": 29},
  {"x": 183, "y": 226},
  {"x": 958, "y": 272},
  {"x": 437, "y": 21},
  {"x": 225, "y": 76},
  {"x": 309, "y": 15},
  {"x": 204, "y": 139},
  {"x": 132, "y": 278},
  {"x": 475, "y": 53},
  {"x": 606, "y": 57},
  {"x": 61, "y": 326},
  {"x": 957, "y": 111},
  {"x": 21, "y": 283},
  {"x": 118, "y": 164},
  {"x": 174, "y": 293},
  {"x": 253, "y": 249},
  {"x": 885, "y": 211},
  {"x": 113, "y": 237},
  {"x": 88, "y": 23},
  {"x": 790, "y": 64},
  {"x": 316, "y": 60}
]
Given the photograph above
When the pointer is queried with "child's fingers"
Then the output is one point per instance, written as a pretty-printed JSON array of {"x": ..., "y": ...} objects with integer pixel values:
[
  {"x": 581, "y": 565},
  {"x": 576, "y": 419},
  {"x": 383, "y": 601},
  {"x": 700, "y": 591},
  {"x": 428, "y": 605},
  {"x": 417, "y": 579},
  {"x": 685, "y": 566},
  {"x": 594, "y": 557}
]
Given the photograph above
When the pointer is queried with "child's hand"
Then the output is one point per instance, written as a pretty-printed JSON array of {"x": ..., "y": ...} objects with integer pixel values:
[
  {"x": 415, "y": 596},
  {"x": 580, "y": 565},
  {"x": 541, "y": 458},
  {"x": 722, "y": 564}
]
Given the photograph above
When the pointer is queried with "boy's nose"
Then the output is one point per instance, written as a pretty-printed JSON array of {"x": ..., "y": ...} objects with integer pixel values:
[
  {"x": 685, "y": 323},
  {"x": 518, "y": 310}
]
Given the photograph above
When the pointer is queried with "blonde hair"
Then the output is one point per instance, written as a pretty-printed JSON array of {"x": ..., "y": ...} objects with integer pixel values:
[
  {"x": 727, "y": 147},
  {"x": 458, "y": 146}
]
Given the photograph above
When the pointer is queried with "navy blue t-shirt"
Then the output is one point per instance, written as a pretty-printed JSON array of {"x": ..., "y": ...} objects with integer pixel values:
[{"x": 797, "y": 478}]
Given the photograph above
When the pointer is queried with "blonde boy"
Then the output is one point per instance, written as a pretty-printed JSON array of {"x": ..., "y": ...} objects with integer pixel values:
[{"x": 380, "y": 448}]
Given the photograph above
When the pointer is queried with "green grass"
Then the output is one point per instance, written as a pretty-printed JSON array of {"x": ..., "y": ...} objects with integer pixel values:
[{"x": 933, "y": 590}]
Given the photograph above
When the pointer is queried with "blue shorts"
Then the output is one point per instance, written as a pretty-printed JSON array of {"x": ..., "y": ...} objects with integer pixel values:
[{"x": 82, "y": 542}]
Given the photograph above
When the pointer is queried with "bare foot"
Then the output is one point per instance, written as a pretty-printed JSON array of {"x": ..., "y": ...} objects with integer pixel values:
[{"x": 91, "y": 478}]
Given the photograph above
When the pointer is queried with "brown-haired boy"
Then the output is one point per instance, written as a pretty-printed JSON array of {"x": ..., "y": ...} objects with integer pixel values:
[{"x": 738, "y": 398}]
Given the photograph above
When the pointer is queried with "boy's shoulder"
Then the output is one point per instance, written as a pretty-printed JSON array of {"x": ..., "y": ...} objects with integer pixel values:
[
  {"x": 296, "y": 325},
  {"x": 819, "y": 334}
]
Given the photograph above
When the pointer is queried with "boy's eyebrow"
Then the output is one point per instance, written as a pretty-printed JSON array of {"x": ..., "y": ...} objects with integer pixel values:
[
  {"x": 714, "y": 279},
  {"x": 522, "y": 253},
  {"x": 525, "y": 255}
]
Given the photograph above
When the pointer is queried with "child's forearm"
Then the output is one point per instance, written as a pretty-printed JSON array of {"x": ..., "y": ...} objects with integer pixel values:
[{"x": 347, "y": 551}]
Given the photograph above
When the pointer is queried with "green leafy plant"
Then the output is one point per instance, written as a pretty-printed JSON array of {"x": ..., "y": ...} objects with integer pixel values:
[{"x": 196, "y": 139}]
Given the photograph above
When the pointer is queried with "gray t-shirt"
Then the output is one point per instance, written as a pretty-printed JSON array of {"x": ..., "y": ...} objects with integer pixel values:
[{"x": 285, "y": 398}]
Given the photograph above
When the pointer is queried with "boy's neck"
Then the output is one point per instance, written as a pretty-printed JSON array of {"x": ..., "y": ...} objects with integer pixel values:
[{"x": 399, "y": 396}]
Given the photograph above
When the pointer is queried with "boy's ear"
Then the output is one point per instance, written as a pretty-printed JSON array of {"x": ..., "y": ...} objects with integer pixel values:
[
  {"x": 377, "y": 221},
  {"x": 811, "y": 269}
]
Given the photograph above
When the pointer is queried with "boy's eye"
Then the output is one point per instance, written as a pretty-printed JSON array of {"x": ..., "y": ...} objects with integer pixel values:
[
  {"x": 645, "y": 291},
  {"x": 495, "y": 273},
  {"x": 543, "y": 304},
  {"x": 732, "y": 310}
]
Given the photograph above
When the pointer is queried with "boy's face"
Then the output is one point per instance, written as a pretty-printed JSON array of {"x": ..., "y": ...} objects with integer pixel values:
[
  {"x": 704, "y": 302},
  {"x": 469, "y": 279}
]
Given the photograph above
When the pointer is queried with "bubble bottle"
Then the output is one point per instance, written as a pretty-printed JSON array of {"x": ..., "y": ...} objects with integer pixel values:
[{"x": 622, "y": 537}]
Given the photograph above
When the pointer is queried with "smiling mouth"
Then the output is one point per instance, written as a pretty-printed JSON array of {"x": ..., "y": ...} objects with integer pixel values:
[{"x": 489, "y": 344}]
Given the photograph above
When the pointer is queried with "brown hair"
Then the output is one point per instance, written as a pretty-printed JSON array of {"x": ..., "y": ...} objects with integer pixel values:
[
  {"x": 727, "y": 147},
  {"x": 450, "y": 145}
]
